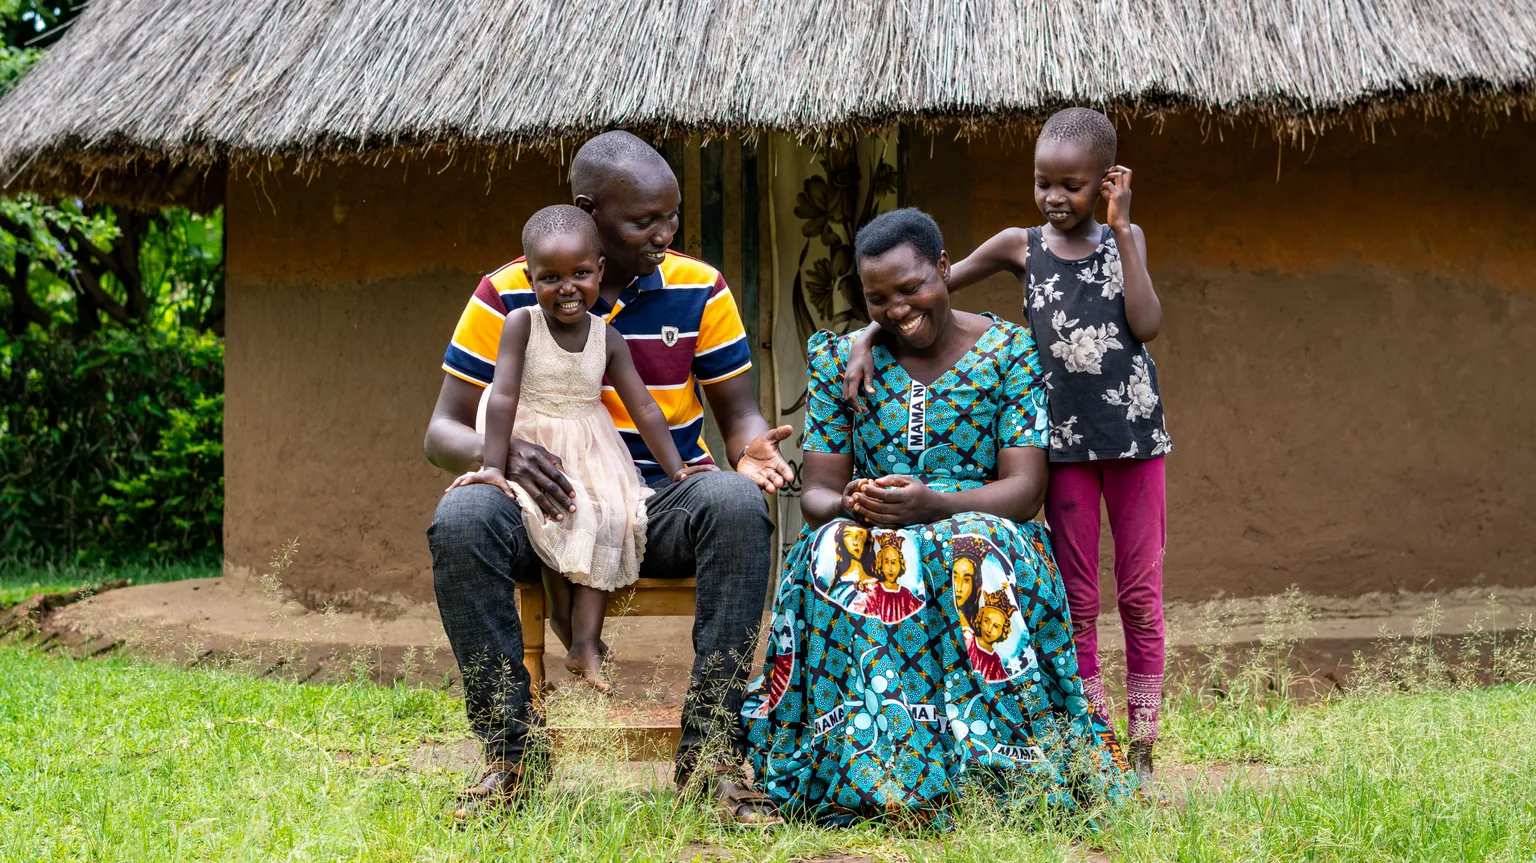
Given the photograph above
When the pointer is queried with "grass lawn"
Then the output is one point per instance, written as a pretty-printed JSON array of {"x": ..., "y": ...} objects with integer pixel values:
[
  {"x": 115, "y": 759},
  {"x": 21, "y": 580}
]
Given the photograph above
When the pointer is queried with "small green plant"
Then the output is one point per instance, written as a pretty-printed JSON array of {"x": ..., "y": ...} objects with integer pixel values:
[
  {"x": 1428, "y": 660},
  {"x": 122, "y": 760}
]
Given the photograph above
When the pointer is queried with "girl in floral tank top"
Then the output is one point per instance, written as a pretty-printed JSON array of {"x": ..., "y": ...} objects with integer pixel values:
[{"x": 1090, "y": 302}]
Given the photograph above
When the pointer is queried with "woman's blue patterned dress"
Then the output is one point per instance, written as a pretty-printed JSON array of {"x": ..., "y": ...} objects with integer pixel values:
[{"x": 905, "y": 665}]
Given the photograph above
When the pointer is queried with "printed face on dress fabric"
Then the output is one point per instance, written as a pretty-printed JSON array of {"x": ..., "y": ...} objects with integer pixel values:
[
  {"x": 967, "y": 551},
  {"x": 992, "y": 621},
  {"x": 869, "y": 572}
]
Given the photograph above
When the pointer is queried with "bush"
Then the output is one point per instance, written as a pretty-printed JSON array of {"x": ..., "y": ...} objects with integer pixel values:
[
  {"x": 111, "y": 447},
  {"x": 177, "y": 505}
]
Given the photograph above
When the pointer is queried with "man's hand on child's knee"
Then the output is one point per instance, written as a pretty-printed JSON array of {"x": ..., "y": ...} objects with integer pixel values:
[{"x": 538, "y": 471}]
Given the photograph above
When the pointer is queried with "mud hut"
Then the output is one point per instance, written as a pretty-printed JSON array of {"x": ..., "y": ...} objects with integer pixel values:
[{"x": 1339, "y": 222}]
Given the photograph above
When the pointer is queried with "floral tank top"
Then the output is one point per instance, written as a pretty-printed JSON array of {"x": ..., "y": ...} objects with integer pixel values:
[{"x": 1101, "y": 384}]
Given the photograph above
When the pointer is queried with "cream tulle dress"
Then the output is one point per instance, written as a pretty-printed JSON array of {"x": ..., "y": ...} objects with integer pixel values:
[{"x": 559, "y": 408}]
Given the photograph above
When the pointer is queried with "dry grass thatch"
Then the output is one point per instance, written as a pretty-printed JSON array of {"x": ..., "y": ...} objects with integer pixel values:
[{"x": 142, "y": 85}]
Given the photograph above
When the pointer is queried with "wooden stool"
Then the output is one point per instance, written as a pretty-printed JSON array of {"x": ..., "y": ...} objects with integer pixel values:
[{"x": 647, "y": 597}]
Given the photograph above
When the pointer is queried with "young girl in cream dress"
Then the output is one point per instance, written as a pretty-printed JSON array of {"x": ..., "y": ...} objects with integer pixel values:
[{"x": 547, "y": 390}]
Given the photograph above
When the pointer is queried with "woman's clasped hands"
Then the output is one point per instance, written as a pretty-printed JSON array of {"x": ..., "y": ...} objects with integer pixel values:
[{"x": 896, "y": 500}]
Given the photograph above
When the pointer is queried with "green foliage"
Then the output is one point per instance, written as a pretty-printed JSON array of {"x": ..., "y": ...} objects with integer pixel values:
[
  {"x": 70, "y": 267},
  {"x": 176, "y": 505},
  {"x": 15, "y": 63},
  {"x": 182, "y": 265},
  {"x": 110, "y": 366},
  {"x": 111, "y": 446},
  {"x": 26, "y": 26},
  {"x": 34, "y": 24}
]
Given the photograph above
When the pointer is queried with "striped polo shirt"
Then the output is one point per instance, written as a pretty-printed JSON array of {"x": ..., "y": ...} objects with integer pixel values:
[{"x": 682, "y": 327}]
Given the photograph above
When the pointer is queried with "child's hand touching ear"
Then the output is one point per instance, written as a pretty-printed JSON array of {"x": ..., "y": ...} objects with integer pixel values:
[{"x": 1115, "y": 189}]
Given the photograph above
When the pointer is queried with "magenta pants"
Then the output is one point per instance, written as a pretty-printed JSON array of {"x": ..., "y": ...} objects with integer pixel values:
[{"x": 1135, "y": 496}]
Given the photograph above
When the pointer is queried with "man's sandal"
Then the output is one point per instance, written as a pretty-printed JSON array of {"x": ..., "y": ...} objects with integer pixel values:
[
  {"x": 746, "y": 805},
  {"x": 740, "y": 802},
  {"x": 499, "y": 789}
]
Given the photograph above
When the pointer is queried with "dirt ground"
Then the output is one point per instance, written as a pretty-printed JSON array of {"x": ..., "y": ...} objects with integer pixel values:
[{"x": 237, "y": 617}]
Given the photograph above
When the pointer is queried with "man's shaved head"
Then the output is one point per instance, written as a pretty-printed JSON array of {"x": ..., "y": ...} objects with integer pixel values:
[
  {"x": 633, "y": 196},
  {"x": 607, "y": 156}
]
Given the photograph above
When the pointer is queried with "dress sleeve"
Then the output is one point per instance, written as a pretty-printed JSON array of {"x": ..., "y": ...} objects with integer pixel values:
[
  {"x": 828, "y": 419},
  {"x": 1022, "y": 420}
]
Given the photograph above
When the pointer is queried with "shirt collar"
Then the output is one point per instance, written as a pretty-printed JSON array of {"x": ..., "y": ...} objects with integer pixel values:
[
  {"x": 637, "y": 285},
  {"x": 654, "y": 282}
]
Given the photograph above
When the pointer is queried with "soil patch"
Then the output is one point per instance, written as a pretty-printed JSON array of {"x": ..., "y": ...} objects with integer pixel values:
[
  {"x": 29, "y": 613},
  {"x": 237, "y": 617}
]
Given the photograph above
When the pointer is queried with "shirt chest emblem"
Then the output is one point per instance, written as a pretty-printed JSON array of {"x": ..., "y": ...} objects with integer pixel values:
[{"x": 669, "y": 336}]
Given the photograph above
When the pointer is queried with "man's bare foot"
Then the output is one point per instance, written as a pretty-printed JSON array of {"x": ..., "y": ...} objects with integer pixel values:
[{"x": 587, "y": 663}]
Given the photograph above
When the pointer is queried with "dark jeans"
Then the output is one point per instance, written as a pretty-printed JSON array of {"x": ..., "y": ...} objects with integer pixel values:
[{"x": 713, "y": 527}]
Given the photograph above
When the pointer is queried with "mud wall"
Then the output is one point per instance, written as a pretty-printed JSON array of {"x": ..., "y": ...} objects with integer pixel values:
[
  {"x": 1348, "y": 333},
  {"x": 343, "y": 291},
  {"x": 1344, "y": 354}
]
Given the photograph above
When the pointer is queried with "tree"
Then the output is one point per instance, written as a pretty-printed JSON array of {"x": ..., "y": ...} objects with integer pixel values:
[
  {"x": 111, "y": 361},
  {"x": 67, "y": 266}
]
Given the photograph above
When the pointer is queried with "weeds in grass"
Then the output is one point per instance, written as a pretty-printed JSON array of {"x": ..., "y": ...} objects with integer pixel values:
[
  {"x": 1428, "y": 660},
  {"x": 1226, "y": 704},
  {"x": 112, "y": 760}
]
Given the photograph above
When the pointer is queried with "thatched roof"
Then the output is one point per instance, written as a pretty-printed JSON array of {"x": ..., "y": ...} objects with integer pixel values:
[{"x": 138, "y": 87}]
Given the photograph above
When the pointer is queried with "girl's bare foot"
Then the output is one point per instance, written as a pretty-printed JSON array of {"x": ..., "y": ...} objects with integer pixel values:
[
  {"x": 563, "y": 634},
  {"x": 586, "y": 662}
]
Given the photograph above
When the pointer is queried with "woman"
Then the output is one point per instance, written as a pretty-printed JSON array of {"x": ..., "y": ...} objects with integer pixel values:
[{"x": 890, "y": 691}]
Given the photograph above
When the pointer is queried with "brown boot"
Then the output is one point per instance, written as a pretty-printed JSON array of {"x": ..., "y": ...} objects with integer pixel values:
[{"x": 499, "y": 788}]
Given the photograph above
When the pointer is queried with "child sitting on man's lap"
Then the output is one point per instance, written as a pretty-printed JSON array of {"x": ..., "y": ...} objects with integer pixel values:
[{"x": 547, "y": 390}]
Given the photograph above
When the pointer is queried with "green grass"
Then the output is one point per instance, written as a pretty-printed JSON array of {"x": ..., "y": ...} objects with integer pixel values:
[
  {"x": 19, "y": 580},
  {"x": 120, "y": 760}
]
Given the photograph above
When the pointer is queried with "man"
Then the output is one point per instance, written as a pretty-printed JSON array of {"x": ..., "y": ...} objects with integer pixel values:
[{"x": 681, "y": 324}]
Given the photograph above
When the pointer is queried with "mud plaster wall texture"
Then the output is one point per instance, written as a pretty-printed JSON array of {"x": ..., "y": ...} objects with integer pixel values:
[
  {"x": 343, "y": 291},
  {"x": 1346, "y": 350}
]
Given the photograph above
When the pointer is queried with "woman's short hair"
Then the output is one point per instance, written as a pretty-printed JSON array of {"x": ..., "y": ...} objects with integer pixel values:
[{"x": 907, "y": 225}]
